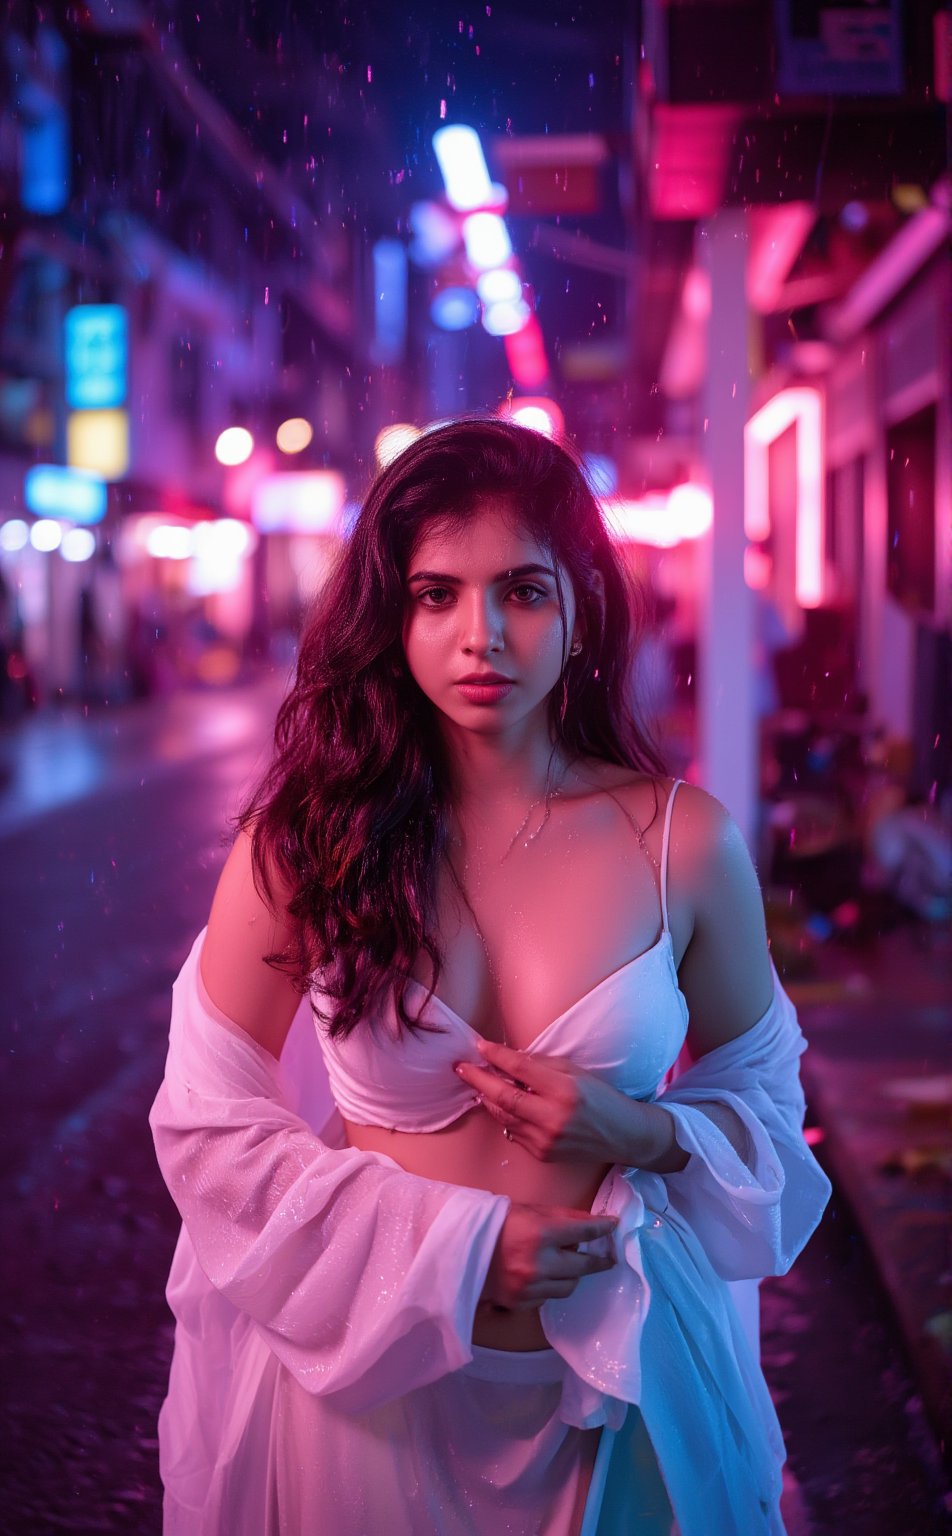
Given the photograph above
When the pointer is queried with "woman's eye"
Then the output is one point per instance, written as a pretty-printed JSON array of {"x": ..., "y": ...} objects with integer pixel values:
[{"x": 525, "y": 595}]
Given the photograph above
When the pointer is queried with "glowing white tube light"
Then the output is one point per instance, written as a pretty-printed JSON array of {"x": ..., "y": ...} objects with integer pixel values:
[
  {"x": 506, "y": 319},
  {"x": 487, "y": 242},
  {"x": 500, "y": 285},
  {"x": 661, "y": 521},
  {"x": 463, "y": 167}
]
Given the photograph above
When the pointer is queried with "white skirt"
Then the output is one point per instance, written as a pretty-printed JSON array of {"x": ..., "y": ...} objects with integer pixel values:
[{"x": 479, "y": 1452}]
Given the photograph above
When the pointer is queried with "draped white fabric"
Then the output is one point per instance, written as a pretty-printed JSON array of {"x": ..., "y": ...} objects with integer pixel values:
[
  {"x": 361, "y": 1280},
  {"x": 661, "y": 1329}
]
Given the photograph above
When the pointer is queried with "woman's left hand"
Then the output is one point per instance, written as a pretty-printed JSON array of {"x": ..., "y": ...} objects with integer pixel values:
[{"x": 557, "y": 1111}]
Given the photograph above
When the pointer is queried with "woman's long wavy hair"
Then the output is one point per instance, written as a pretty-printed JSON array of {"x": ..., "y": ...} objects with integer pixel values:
[{"x": 352, "y": 812}]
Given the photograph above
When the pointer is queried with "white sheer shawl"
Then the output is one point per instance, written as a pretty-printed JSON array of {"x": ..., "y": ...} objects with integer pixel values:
[{"x": 363, "y": 1279}]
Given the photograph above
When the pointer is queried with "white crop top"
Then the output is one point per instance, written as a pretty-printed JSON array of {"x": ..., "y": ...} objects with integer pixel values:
[{"x": 628, "y": 1029}]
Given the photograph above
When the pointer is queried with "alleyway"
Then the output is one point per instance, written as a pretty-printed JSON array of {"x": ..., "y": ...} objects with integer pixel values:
[{"x": 111, "y": 836}]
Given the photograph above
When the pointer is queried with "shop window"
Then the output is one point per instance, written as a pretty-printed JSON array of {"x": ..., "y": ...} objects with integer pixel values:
[{"x": 910, "y": 552}]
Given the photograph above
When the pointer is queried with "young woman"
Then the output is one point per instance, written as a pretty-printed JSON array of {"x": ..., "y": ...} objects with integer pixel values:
[{"x": 487, "y": 1287}]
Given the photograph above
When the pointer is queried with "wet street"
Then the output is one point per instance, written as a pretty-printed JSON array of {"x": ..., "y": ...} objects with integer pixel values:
[{"x": 112, "y": 832}]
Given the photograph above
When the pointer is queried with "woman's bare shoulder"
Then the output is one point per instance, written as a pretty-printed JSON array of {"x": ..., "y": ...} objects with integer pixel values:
[
  {"x": 245, "y": 927},
  {"x": 643, "y": 795},
  {"x": 725, "y": 971},
  {"x": 700, "y": 823},
  {"x": 699, "y": 819}
]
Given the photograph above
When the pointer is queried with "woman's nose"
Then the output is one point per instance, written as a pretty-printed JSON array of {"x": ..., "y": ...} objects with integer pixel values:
[{"x": 482, "y": 625}]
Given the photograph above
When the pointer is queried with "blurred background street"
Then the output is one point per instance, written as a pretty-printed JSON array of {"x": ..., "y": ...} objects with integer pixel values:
[
  {"x": 247, "y": 253},
  {"x": 113, "y": 854}
]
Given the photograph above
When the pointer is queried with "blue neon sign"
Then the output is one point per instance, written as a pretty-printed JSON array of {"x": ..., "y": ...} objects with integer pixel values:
[
  {"x": 97, "y": 355},
  {"x": 52, "y": 490}
]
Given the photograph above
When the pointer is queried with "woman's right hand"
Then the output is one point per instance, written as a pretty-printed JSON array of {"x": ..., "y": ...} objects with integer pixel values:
[{"x": 536, "y": 1255}]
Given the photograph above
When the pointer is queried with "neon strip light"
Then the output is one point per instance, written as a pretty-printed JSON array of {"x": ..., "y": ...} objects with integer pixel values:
[
  {"x": 525, "y": 354},
  {"x": 803, "y": 407},
  {"x": 52, "y": 490},
  {"x": 487, "y": 242},
  {"x": 460, "y": 157},
  {"x": 662, "y": 521},
  {"x": 488, "y": 246}
]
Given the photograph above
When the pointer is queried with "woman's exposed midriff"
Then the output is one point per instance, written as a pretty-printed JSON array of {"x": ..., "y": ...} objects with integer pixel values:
[{"x": 473, "y": 1152}]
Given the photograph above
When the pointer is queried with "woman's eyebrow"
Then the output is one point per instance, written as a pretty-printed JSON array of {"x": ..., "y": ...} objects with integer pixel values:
[{"x": 507, "y": 575}]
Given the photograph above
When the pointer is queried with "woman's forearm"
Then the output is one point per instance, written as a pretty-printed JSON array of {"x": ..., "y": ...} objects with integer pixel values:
[
  {"x": 645, "y": 1138},
  {"x": 650, "y": 1141}
]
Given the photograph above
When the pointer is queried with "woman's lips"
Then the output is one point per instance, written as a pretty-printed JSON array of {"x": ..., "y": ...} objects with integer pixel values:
[{"x": 490, "y": 692}]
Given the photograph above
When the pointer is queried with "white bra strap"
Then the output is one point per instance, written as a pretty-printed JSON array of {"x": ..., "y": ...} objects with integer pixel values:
[{"x": 664, "y": 854}]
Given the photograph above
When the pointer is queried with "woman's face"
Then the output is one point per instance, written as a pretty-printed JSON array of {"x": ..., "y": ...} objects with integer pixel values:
[{"x": 483, "y": 634}]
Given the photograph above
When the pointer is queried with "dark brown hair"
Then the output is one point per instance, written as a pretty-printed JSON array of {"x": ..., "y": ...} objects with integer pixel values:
[{"x": 352, "y": 811}]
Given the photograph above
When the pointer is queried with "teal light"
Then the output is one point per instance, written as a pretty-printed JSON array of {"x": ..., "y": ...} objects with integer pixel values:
[
  {"x": 52, "y": 490},
  {"x": 97, "y": 350}
]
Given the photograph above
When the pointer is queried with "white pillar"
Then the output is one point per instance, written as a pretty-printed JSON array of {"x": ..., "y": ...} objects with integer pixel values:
[{"x": 726, "y": 720}]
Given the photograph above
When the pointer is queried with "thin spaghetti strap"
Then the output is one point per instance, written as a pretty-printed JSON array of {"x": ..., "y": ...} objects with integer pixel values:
[{"x": 664, "y": 855}]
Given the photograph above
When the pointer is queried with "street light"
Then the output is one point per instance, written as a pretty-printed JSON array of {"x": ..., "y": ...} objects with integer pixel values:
[{"x": 234, "y": 445}]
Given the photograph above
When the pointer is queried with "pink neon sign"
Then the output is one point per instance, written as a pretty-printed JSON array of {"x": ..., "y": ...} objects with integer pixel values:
[
  {"x": 804, "y": 407},
  {"x": 686, "y": 512}
]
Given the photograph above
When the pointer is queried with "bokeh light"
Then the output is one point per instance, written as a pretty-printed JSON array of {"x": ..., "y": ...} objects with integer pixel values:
[
  {"x": 294, "y": 435},
  {"x": 78, "y": 544},
  {"x": 453, "y": 309},
  {"x": 234, "y": 445},
  {"x": 391, "y": 441},
  {"x": 46, "y": 534},
  {"x": 170, "y": 541},
  {"x": 14, "y": 534},
  {"x": 536, "y": 413}
]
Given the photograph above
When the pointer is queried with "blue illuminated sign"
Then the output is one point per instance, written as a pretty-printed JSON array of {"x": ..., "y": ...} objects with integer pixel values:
[
  {"x": 390, "y": 301},
  {"x": 97, "y": 351},
  {"x": 44, "y": 160},
  {"x": 52, "y": 490}
]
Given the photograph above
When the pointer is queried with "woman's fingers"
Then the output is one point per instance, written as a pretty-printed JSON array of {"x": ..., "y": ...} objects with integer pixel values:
[
  {"x": 568, "y": 1228},
  {"x": 520, "y": 1065},
  {"x": 569, "y": 1265},
  {"x": 567, "y": 1270},
  {"x": 499, "y": 1095},
  {"x": 537, "y": 1254},
  {"x": 560, "y": 1259}
]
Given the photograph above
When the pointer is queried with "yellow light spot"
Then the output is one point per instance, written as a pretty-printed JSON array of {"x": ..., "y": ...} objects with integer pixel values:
[{"x": 294, "y": 435}]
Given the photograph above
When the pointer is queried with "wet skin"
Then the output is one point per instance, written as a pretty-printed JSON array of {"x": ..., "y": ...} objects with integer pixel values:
[{"x": 548, "y": 916}]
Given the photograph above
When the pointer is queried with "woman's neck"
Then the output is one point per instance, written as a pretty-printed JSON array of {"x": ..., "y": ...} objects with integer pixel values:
[{"x": 493, "y": 775}]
